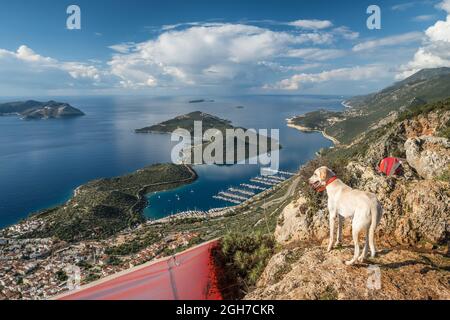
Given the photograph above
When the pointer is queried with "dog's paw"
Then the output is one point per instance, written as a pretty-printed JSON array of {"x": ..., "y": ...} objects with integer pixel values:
[
  {"x": 361, "y": 258},
  {"x": 329, "y": 248},
  {"x": 350, "y": 263}
]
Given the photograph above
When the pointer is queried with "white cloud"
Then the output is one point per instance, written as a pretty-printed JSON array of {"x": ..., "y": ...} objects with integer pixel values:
[
  {"x": 311, "y": 24},
  {"x": 403, "y": 6},
  {"x": 122, "y": 47},
  {"x": 389, "y": 41},
  {"x": 424, "y": 18},
  {"x": 220, "y": 54},
  {"x": 346, "y": 33},
  {"x": 440, "y": 31},
  {"x": 25, "y": 69},
  {"x": 316, "y": 53},
  {"x": 444, "y": 5},
  {"x": 342, "y": 74},
  {"x": 277, "y": 67},
  {"x": 435, "y": 50}
]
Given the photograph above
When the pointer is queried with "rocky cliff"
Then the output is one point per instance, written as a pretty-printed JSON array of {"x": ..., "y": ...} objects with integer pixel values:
[{"x": 412, "y": 239}]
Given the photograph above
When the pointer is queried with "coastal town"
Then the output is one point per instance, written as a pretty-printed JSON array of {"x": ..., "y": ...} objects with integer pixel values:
[{"x": 41, "y": 268}]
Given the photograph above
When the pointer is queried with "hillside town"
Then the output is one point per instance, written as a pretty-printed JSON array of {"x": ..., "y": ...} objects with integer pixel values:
[{"x": 42, "y": 268}]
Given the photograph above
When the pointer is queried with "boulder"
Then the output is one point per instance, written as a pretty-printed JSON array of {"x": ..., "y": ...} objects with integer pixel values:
[
  {"x": 298, "y": 222},
  {"x": 428, "y": 155}
]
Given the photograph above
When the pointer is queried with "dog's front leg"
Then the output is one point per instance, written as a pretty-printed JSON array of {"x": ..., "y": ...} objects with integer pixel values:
[{"x": 332, "y": 220}]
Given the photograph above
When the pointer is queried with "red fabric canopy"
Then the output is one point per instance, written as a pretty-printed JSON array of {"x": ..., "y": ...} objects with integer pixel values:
[
  {"x": 189, "y": 275},
  {"x": 390, "y": 166}
]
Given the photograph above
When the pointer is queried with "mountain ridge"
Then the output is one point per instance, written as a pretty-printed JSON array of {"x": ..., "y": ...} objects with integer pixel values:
[{"x": 363, "y": 112}]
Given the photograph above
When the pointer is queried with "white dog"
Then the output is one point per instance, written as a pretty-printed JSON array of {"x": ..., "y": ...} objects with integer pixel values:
[{"x": 346, "y": 202}]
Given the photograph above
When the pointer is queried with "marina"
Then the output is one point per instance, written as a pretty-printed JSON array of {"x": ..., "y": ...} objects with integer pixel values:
[{"x": 238, "y": 195}]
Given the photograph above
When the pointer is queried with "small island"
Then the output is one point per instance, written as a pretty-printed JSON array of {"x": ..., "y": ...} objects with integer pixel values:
[
  {"x": 29, "y": 110},
  {"x": 200, "y": 101}
]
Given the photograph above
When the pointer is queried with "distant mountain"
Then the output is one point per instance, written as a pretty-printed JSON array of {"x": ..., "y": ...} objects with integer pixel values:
[
  {"x": 39, "y": 110},
  {"x": 428, "y": 85},
  {"x": 365, "y": 112}
]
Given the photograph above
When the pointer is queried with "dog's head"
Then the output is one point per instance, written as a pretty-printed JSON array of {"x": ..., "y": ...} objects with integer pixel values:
[{"x": 320, "y": 177}]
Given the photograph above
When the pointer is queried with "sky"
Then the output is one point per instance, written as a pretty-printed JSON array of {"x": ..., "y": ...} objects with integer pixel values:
[{"x": 226, "y": 47}]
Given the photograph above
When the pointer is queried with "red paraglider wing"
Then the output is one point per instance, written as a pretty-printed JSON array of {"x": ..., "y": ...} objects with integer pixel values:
[{"x": 188, "y": 275}]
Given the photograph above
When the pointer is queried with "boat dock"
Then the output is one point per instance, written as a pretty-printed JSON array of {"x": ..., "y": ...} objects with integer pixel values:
[{"x": 237, "y": 195}]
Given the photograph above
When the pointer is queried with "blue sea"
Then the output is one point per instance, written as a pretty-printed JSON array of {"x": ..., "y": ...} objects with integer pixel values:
[{"x": 43, "y": 161}]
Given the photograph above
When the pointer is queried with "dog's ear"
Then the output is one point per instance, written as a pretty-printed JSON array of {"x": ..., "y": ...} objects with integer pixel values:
[
  {"x": 331, "y": 173},
  {"x": 323, "y": 173}
]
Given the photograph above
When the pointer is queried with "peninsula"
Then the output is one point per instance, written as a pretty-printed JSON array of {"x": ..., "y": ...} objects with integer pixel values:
[
  {"x": 103, "y": 207},
  {"x": 208, "y": 121}
]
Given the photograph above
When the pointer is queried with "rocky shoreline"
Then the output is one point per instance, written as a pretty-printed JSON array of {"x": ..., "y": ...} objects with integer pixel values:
[{"x": 306, "y": 129}]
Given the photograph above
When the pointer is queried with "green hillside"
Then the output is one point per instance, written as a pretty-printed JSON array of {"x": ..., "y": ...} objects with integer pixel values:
[
  {"x": 365, "y": 112},
  {"x": 426, "y": 86}
]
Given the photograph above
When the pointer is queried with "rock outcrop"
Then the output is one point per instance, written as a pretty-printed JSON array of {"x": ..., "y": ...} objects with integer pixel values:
[
  {"x": 299, "y": 223},
  {"x": 416, "y": 211},
  {"x": 429, "y": 155},
  {"x": 312, "y": 273}
]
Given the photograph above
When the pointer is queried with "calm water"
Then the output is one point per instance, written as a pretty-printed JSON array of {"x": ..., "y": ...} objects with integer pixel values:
[{"x": 42, "y": 162}]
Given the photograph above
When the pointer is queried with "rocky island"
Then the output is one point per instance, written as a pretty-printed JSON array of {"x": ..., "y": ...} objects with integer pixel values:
[{"x": 31, "y": 109}]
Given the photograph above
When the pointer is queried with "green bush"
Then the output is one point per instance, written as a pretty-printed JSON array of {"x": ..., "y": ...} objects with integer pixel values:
[
  {"x": 246, "y": 255},
  {"x": 113, "y": 261},
  {"x": 61, "y": 276}
]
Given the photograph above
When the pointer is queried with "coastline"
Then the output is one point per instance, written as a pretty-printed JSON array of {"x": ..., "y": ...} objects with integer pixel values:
[
  {"x": 346, "y": 105},
  {"x": 127, "y": 201},
  {"x": 305, "y": 129}
]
